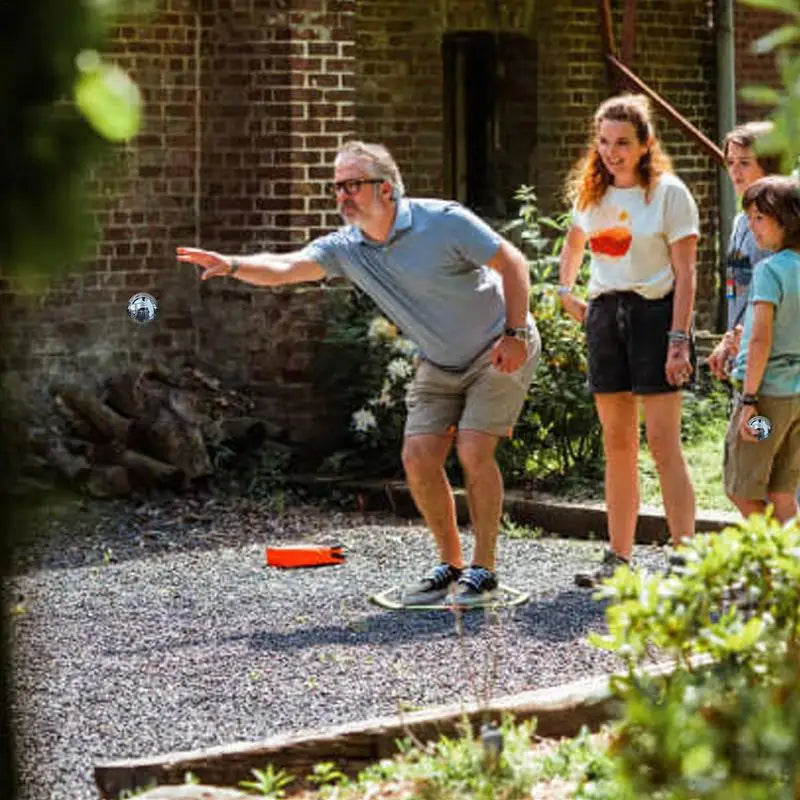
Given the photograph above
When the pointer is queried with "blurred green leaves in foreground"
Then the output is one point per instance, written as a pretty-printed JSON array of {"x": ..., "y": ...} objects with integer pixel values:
[
  {"x": 783, "y": 103},
  {"x": 63, "y": 105}
]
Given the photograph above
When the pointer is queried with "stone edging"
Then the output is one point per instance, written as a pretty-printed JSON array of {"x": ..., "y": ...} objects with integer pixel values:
[
  {"x": 578, "y": 520},
  {"x": 559, "y": 711}
]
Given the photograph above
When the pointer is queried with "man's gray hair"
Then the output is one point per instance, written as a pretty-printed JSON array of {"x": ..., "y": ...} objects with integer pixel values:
[{"x": 378, "y": 161}]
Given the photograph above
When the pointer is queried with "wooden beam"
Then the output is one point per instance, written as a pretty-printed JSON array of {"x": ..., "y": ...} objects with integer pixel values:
[
  {"x": 628, "y": 31},
  {"x": 606, "y": 27},
  {"x": 607, "y": 36},
  {"x": 671, "y": 112}
]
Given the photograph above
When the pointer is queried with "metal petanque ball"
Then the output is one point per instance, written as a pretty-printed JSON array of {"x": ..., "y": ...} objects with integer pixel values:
[
  {"x": 761, "y": 427},
  {"x": 142, "y": 308}
]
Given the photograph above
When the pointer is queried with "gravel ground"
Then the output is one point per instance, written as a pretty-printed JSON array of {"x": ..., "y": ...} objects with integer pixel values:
[{"x": 142, "y": 629}]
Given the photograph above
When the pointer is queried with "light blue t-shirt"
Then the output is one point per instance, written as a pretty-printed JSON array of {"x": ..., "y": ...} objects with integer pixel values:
[
  {"x": 429, "y": 277},
  {"x": 776, "y": 280}
]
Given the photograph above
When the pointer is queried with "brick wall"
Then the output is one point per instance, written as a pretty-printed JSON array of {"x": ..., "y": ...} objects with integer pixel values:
[
  {"x": 278, "y": 101},
  {"x": 144, "y": 201},
  {"x": 674, "y": 54},
  {"x": 399, "y": 77},
  {"x": 399, "y": 101},
  {"x": 751, "y": 68},
  {"x": 245, "y": 103}
]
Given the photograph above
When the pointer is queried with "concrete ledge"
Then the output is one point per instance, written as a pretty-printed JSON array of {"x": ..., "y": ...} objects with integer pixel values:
[{"x": 579, "y": 520}]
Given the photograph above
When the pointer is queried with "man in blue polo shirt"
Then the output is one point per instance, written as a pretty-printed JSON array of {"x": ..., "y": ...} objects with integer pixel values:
[{"x": 459, "y": 291}]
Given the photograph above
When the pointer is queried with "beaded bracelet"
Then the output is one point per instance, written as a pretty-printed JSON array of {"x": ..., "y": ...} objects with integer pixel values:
[{"x": 677, "y": 336}]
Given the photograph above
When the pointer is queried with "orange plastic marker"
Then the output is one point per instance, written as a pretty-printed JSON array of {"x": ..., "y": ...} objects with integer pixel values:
[{"x": 308, "y": 555}]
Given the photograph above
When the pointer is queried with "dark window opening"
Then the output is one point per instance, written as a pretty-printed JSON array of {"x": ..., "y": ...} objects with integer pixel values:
[{"x": 490, "y": 118}]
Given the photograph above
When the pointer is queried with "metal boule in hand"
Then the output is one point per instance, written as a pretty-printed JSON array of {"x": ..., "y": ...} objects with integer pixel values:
[{"x": 760, "y": 426}]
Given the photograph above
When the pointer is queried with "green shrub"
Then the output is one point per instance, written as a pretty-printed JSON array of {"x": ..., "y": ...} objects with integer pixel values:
[
  {"x": 364, "y": 366},
  {"x": 727, "y": 728},
  {"x": 558, "y": 432}
]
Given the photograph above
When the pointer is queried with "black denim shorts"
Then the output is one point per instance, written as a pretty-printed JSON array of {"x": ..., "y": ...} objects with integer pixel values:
[{"x": 626, "y": 337}]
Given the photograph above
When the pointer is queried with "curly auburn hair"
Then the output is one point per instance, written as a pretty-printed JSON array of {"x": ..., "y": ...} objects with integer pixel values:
[{"x": 589, "y": 178}]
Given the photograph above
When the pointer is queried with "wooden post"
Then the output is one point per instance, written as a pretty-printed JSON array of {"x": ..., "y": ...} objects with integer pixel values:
[
  {"x": 628, "y": 31},
  {"x": 609, "y": 46}
]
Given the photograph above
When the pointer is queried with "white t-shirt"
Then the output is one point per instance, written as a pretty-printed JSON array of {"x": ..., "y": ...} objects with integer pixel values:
[{"x": 629, "y": 239}]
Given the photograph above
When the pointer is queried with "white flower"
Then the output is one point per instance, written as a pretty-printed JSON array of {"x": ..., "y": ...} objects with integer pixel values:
[
  {"x": 364, "y": 420},
  {"x": 404, "y": 346},
  {"x": 381, "y": 329},
  {"x": 385, "y": 397},
  {"x": 398, "y": 368}
]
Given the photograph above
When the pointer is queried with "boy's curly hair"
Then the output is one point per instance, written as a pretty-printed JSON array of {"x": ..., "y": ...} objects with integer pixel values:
[{"x": 778, "y": 197}]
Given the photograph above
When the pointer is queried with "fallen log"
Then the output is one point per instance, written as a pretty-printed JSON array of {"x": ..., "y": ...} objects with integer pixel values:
[
  {"x": 170, "y": 439},
  {"x": 107, "y": 480},
  {"x": 76, "y": 425},
  {"x": 151, "y": 471},
  {"x": 74, "y": 468},
  {"x": 102, "y": 418},
  {"x": 121, "y": 394}
]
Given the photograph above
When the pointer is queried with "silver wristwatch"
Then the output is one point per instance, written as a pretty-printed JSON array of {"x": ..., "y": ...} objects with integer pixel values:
[{"x": 523, "y": 334}]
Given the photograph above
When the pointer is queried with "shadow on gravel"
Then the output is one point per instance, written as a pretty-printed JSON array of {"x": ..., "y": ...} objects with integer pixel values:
[
  {"x": 377, "y": 629},
  {"x": 561, "y": 618}
]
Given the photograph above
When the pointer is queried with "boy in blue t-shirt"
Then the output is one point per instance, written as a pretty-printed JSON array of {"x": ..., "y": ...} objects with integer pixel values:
[{"x": 768, "y": 362}]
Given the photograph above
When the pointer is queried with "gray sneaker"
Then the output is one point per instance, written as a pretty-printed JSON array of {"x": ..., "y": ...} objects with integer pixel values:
[
  {"x": 476, "y": 586},
  {"x": 676, "y": 564},
  {"x": 432, "y": 588},
  {"x": 608, "y": 566}
]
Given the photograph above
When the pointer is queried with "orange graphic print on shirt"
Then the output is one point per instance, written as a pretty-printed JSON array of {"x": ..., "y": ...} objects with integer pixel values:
[{"x": 614, "y": 239}]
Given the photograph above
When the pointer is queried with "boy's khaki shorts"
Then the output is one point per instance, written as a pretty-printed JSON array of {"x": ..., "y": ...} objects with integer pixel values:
[
  {"x": 480, "y": 399},
  {"x": 752, "y": 469}
]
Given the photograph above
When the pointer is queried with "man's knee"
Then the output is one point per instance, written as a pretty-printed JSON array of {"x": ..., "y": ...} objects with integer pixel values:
[
  {"x": 423, "y": 453},
  {"x": 476, "y": 453}
]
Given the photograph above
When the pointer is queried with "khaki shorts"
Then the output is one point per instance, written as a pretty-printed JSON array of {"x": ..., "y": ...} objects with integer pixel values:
[
  {"x": 481, "y": 398},
  {"x": 771, "y": 465}
]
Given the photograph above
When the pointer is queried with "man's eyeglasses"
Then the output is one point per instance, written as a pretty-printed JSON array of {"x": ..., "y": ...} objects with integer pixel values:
[{"x": 352, "y": 186}]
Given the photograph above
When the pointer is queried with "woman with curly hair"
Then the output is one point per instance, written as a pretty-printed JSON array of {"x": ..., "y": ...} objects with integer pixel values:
[{"x": 641, "y": 224}]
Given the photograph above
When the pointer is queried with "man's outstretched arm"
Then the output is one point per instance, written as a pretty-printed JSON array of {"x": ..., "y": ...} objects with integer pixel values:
[{"x": 260, "y": 269}]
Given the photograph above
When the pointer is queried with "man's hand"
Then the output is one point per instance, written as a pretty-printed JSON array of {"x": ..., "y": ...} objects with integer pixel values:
[
  {"x": 718, "y": 360},
  {"x": 745, "y": 414},
  {"x": 725, "y": 350},
  {"x": 575, "y": 307},
  {"x": 509, "y": 354},
  {"x": 212, "y": 263},
  {"x": 678, "y": 368}
]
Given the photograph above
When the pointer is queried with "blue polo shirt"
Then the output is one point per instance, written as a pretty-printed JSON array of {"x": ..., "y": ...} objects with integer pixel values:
[{"x": 429, "y": 277}]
